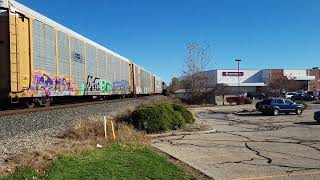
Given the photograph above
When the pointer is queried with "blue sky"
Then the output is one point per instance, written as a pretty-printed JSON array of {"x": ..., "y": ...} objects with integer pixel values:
[{"x": 153, "y": 33}]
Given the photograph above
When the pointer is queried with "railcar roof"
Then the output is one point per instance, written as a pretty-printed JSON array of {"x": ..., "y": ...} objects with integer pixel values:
[{"x": 17, "y": 7}]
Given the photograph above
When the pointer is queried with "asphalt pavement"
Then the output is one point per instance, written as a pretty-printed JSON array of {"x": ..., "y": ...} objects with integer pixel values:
[{"x": 250, "y": 146}]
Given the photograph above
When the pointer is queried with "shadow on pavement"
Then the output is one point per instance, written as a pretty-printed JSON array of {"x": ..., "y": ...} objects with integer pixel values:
[{"x": 310, "y": 123}]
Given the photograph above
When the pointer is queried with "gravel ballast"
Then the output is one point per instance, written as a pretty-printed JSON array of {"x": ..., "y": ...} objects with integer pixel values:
[{"x": 23, "y": 133}]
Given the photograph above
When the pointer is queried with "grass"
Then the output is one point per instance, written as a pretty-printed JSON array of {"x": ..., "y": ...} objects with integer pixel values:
[{"x": 118, "y": 161}]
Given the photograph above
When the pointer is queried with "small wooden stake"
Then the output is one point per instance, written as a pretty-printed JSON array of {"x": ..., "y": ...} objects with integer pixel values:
[
  {"x": 113, "y": 134},
  {"x": 105, "y": 127}
]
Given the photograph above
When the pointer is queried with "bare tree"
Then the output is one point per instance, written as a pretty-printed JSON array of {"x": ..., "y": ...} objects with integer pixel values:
[
  {"x": 175, "y": 85},
  {"x": 196, "y": 63},
  {"x": 222, "y": 90},
  {"x": 282, "y": 84}
]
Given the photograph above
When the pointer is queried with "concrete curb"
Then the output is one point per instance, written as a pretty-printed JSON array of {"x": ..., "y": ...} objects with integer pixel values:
[{"x": 180, "y": 133}]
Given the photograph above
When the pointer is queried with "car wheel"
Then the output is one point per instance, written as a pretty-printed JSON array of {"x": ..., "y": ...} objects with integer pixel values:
[
  {"x": 276, "y": 112},
  {"x": 299, "y": 111},
  {"x": 258, "y": 105}
]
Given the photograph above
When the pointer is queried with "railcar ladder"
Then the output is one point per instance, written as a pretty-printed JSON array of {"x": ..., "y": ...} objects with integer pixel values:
[{"x": 14, "y": 61}]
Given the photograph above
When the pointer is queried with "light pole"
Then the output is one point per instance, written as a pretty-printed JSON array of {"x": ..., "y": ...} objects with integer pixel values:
[{"x": 238, "y": 60}]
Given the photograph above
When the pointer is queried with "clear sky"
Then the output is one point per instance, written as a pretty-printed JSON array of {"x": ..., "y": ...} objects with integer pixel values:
[{"x": 153, "y": 33}]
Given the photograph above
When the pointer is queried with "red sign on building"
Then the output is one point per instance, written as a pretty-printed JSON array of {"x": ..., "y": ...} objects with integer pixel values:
[{"x": 232, "y": 73}]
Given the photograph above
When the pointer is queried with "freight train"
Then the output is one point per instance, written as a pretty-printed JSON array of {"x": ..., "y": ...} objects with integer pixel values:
[{"x": 41, "y": 60}]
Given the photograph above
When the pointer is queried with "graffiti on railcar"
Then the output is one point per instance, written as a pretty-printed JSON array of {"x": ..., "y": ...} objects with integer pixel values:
[
  {"x": 106, "y": 87},
  {"x": 96, "y": 86},
  {"x": 44, "y": 84},
  {"x": 92, "y": 85},
  {"x": 120, "y": 87}
]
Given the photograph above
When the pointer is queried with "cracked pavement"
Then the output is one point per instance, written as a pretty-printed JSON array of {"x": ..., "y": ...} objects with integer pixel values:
[{"x": 249, "y": 146}]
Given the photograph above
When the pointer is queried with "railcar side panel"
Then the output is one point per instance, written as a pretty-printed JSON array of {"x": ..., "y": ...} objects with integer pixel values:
[
  {"x": 120, "y": 85},
  {"x": 64, "y": 85},
  {"x": 78, "y": 66},
  {"x": 153, "y": 87},
  {"x": 91, "y": 86},
  {"x": 145, "y": 82},
  {"x": 44, "y": 61},
  {"x": 158, "y": 85},
  {"x": 105, "y": 85},
  {"x": 4, "y": 54}
]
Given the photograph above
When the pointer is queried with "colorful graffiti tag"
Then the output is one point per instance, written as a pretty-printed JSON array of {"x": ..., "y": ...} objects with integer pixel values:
[
  {"x": 106, "y": 87},
  {"x": 120, "y": 87},
  {"x": 96, "y": 86},
  {"x": 45, "y": 85}
]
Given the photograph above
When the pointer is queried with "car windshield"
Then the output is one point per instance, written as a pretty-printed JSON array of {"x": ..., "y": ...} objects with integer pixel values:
[{"x": 291, "y": 93}]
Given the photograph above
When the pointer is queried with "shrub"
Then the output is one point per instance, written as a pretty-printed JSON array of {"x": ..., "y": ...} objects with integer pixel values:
[
  {"x": 151, "y": 118},
  {"x": 304, "y": 104},
  {"x": 177, "y": 120},
  {"x": 160, "y": 117},
  {"x": 235, "y": 99},
  {"x": 247, "y": 100},
  {"x": 186, "y": 114}
]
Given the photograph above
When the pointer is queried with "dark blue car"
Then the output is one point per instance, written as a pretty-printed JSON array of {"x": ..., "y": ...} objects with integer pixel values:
[
  {"x": 317, "y": 116},
  {"x": 275, "y": 106}
]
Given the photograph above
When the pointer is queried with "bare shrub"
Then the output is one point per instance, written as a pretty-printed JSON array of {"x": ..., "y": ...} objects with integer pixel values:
[{"x": 93, "y": 131}]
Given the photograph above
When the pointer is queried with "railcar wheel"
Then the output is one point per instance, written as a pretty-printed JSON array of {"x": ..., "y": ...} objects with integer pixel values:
[
  {"x": 46, "y": 102},
  {"x": 30, "y": 103}
]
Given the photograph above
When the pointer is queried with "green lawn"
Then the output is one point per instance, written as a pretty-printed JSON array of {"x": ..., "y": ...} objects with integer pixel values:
[{"x": 116, "y": 162}]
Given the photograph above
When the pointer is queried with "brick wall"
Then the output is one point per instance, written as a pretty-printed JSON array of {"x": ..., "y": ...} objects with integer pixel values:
[
  {"x": 276, "y": 73},
  {"x": 314, "y": 85}
]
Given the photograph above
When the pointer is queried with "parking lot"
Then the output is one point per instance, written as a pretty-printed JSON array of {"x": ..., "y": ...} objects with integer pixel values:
[{"x": 250, "y": 146}]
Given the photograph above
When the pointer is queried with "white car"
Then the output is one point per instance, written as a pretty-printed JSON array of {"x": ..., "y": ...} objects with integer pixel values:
[{"x": 288, "y": 95}]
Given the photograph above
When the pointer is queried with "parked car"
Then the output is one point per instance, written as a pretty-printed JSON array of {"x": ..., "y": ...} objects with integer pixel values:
[
  {"x": 275, "y": 106},
  {"x": 256, "y": 95},
  {"x": 317, "y": 116},
  {"x": 288, "y": 95},
  {"x": 303, "y": 97}
]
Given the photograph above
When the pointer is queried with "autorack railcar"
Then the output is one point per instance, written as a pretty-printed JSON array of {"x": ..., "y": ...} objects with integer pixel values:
[{"x": 41, "y": 59}]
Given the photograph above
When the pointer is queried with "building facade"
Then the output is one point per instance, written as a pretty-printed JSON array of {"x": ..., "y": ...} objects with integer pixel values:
[{"x": 253, "y": 80}]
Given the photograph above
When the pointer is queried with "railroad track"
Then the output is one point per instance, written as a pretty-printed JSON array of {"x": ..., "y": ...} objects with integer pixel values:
[{"x": 61, "y": 106}]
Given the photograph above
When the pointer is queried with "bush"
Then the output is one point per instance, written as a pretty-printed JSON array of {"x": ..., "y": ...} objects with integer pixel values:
[
  {"x": 304, "y": 104},
  {"x": 160, "y": 117},
  {"x": 177, "y": 120},
  {"x": 247, "y": 100},
  {"x": 150, "y": 118},
  {"x": 236, "y": 99},
  {"x": 186, "y": 114}
]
